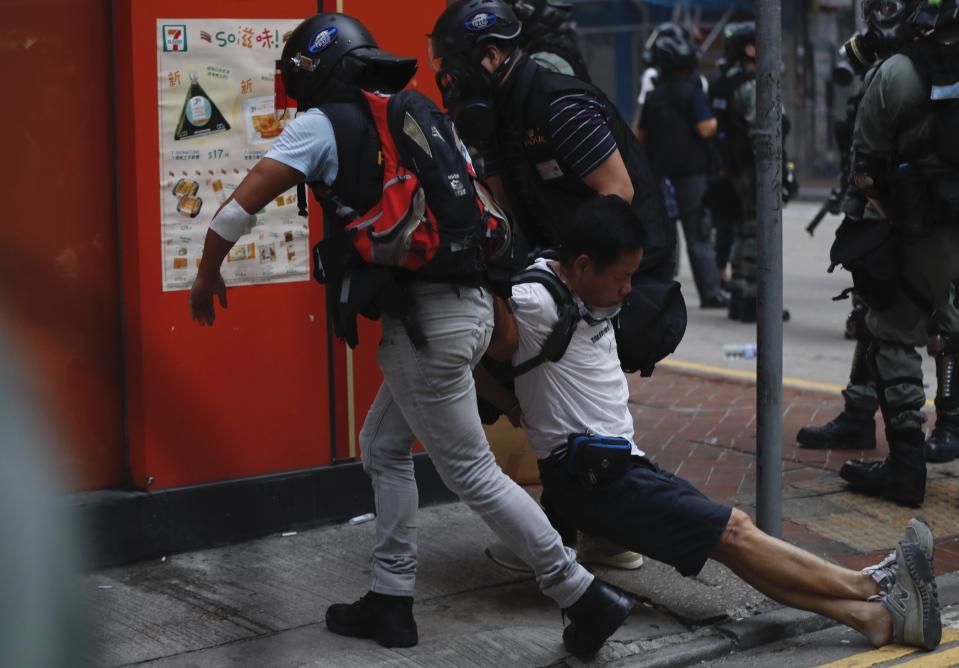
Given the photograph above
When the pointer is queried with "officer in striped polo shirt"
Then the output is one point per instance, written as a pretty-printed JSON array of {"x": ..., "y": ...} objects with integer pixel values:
[{"x": 549, "y": 141}]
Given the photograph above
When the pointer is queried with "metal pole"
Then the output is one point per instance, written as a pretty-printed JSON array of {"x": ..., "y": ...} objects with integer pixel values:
[{"x": 769, "y": 155}]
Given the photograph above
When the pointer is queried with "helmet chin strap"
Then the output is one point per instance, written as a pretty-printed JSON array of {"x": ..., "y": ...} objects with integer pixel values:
[{"x": 500, "y": 73}]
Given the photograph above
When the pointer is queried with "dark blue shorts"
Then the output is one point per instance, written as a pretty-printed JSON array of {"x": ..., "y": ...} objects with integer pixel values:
[{"x": 647, "y": 510}]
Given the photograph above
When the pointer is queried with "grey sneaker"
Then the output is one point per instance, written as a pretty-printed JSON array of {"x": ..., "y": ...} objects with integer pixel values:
[
  {"x": 913, "y": 601},
  {"x": 918, "y": 533}
]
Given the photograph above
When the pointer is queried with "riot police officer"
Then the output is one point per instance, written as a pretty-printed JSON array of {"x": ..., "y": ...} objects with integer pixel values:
[
  {"x": 733, "y": 197},
  {"x": 855, "y": 427},
  {"x": 549, "y": 141},
  {"x": 650, "y": 75},
  {"x": 903, "y": 244},
  {"x": 675, "y": 125},
  {"x": 734, "y": 102}
]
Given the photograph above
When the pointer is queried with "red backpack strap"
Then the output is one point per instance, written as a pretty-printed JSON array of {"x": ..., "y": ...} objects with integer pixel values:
[{"x": 379, "y": 108}]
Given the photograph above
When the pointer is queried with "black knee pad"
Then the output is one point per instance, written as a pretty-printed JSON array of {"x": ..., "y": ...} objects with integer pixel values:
[{"x": 889, "y": 413}]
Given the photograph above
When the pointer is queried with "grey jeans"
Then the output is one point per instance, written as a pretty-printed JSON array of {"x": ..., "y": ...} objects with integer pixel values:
[{"x": 428, "y": 394}]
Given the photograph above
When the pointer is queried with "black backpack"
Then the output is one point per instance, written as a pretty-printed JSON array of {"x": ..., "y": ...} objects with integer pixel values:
[
  {"x": 648, "y": 328},
  {"x": 650, "y": 325}
]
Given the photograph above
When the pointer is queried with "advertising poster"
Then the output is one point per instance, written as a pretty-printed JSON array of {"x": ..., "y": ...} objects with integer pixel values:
[{"x": 217, "y": 120}]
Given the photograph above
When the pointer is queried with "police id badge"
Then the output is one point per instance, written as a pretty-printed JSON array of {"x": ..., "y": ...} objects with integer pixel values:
[{"x": 549, "y": 170}]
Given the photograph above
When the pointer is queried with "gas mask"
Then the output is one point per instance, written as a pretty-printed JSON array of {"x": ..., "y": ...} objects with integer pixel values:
[
  {"x": 467, "y": 92},
  {"x": 467, "y": 89},
  {"x": 856, "y": 56},
  {"x": 890, "y": 21}
]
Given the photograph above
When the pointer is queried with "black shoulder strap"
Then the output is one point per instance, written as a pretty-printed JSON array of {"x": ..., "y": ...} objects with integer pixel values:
[
  {"x": 924, "y": 58},
  {"x": 557, "y": 341},
  {"x": 522, "y": 100}
]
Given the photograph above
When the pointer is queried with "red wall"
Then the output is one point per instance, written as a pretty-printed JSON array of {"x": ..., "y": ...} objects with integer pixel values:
[
  {"x": 247, "y": 397},
  {"x": 58, "y": 250},
  {"x": 250, "y": 395}
]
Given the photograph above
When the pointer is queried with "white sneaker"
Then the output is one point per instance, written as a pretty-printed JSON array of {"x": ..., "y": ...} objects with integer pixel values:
[
  {"x": 593, "y": 550},
  {"x": 589, "y": 550}
]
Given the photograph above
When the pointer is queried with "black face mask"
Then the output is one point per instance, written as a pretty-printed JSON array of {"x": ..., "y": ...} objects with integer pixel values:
[{"x": 468, "y": 96}]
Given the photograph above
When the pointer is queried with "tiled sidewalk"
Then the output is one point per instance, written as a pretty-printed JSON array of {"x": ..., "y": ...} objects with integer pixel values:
[{"x": 704, "y": 429}]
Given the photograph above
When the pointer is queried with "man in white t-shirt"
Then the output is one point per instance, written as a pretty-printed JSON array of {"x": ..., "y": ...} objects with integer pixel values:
[{"x": 647, "y": 509}]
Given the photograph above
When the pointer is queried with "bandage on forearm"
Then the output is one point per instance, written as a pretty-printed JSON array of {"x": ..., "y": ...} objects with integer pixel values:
[{"x": 232, "y": 221}]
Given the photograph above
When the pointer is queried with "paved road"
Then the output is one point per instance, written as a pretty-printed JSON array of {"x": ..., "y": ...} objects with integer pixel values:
[
  {"x": 841, "y": 647},
  {"x": 814, "y": 348}
]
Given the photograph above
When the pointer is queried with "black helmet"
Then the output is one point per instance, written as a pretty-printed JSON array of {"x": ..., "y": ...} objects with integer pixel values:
[
  {"x": 672, "y": 50},
  {"x": 947, "y": 23},
  {"x": 542, "y": 17},
  {"x": 663, "y": 29},
  {"x": 668, "y": 29},
  {"x": 738, "y": 37},
  {"x": 456, "y": 48},
  {"x": 469, "y": 23},
  {"x": 320, "y": 43}
]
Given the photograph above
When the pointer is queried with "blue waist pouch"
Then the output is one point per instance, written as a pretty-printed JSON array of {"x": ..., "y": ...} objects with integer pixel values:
[{"x": 597, "y": 459}]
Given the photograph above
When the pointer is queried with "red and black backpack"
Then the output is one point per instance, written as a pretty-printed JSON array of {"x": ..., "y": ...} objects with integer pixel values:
[{"x": 433, "y": 216}]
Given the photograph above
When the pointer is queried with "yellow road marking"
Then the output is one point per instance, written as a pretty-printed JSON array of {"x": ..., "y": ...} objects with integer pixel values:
[
  {"x": 742, "y": 374},
  {"x": 893, "y": 652},
  {"x": 872, "y": 658},
  {"x": 938, "y": 660}
]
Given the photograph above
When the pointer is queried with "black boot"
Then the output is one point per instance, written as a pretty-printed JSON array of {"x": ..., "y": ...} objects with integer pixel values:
[
  {"x": 900, "y": 477},
  {"x": 943, "y": 443},
  {"x": 593, "y": 618},
  {"x": 750, "y": 308},
  {"x": 851, "y": 430},
  {"x": 735, "y": 311},
  {"x": 386, "y": 619}
]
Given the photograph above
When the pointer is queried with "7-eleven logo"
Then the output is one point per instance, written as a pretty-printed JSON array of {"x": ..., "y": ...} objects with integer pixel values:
[{"x": 174, "y": 38}]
